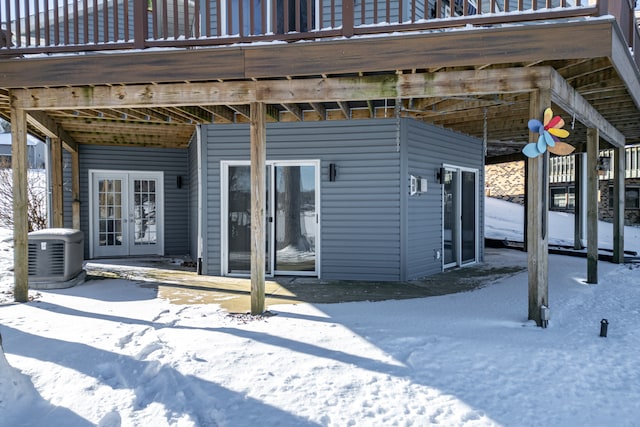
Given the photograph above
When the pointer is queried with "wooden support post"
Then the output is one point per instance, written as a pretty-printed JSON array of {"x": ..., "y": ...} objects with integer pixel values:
[
  {"x": 537, "y": 217},
  {"x": 75, "y": 189},
  {"x": 20, "y": 205},
  {"x": 578, "y": 197},
  {"x": 57, "y": 195},
  {"x": 592, "y": 205},
  {"x": 619, "y": 175},
  {"x": 258, "y": 205}
]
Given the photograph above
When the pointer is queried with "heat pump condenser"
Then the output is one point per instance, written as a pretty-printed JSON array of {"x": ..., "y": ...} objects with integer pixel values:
[{"x": 56, "y": 256}]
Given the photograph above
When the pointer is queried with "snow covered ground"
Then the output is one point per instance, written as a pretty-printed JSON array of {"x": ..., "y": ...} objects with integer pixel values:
[{"x": 110, "y": 353}]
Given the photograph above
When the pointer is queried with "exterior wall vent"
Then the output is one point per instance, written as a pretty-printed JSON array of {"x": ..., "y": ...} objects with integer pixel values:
[{"x": 56, "y": 256}]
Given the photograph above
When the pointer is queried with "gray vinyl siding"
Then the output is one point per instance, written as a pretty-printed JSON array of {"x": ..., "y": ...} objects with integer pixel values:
[
  {"x": 429, "y": 147},
  {"x": 172, "y": 162},
  {"x": 360, "y": 211},
  {"x": 193, "y": 198},
  {"x": 66, "y": 190}
]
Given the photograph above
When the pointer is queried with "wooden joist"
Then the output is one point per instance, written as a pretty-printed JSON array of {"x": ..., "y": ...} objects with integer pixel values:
[
  {"x": 48, "y": 126},
  {"x": 572, "y": 102}
]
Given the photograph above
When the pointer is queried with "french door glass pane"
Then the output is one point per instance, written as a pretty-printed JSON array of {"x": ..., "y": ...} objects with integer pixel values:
[
  {"x": 468, "y": 217},
  {"x": 450, "y": 222},
  {"x": 295, "y": 218},
  {"x": 144, "y": 211},
  {"x": 110, "y": 212}
]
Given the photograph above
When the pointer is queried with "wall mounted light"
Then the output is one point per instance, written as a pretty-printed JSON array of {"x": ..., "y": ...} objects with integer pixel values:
[
  {"x": 604, "y": 165},
  {"x": 179, "y": 181},
  {"x": 333, "y": 172},
  {"x": 440, "y": 172}
]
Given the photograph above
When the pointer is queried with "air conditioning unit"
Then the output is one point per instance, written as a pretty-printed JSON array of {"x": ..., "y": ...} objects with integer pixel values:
[{"x": 56, "y": 256}]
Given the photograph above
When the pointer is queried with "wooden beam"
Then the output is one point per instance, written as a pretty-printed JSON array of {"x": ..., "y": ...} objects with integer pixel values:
[
  {"x": 319, "y": 108},
  {"x": 537, "y": 217},
  {"x": 258, "y": 205},
  {"x": 625, "y": 65},
  {"x": 45, "y": 124},
  {"x": 243, "y": 110},
  {"x": 295, "y": 110},
  {"x": 20, "y": 205},
  {"x": 444, "y": 83},
  {"x": 221, "y": 112},
  {"x": 567, "y": 98},
  {"x": 57, "y": 195},
  {"x": 592, "y": 205},
  {"x": 75, "y": 189},
  {"x": 240, "y": 93},
  {"x": 619, "y": 172},
  {"x": 477, "y": 46},
  {"x": 344, "y": 107},
  {"x": 429, "y": 50},
  {"x": 135, "y": 66},
  {"x": 371, "y": 108}
]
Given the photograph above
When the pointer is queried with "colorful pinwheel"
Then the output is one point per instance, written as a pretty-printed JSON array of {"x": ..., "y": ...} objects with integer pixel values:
[{"x": 549, "y": 132}]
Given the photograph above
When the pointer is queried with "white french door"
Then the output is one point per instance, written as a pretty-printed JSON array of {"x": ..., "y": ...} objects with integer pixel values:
[
  {"x": 126, "y": 215},
  {"x": 460, "y": 216},
  {"x": 291, "y": 218}
]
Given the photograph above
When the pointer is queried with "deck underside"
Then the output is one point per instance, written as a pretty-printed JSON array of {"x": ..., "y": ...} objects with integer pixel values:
[{"x": 65, "y": 91}]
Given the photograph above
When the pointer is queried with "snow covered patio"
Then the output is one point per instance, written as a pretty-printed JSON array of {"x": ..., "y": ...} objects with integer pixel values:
[{"x": 118, "y": 355}]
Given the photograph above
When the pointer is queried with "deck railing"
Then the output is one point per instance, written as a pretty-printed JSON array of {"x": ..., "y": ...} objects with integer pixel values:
[
  {"x": 50, "y": 26},
  {"x": 562, "y": 168}
]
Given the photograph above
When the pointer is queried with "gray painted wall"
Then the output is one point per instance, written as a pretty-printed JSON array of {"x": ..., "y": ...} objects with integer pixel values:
[
  {"x": 172, "y": 162},
  {"x": 428, "y": 148},
  {"x": 360, "y": 211}
]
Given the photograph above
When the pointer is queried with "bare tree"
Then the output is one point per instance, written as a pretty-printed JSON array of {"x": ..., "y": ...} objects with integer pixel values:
[
  {"x": 5, "y": 126},
  {"x": 36, "y": 192}
]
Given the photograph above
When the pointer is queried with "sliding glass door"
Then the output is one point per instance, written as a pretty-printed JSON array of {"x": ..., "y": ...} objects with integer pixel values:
[
  {"x": 460, "y": 216},
  {"x": 291, "y": 218}
]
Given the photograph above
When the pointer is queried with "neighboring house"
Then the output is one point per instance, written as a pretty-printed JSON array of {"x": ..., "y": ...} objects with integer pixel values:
[
  {"x": 366, "y": 122},
  {"x": 506, "y": 181},
  {"x": 36, "y": 151}
]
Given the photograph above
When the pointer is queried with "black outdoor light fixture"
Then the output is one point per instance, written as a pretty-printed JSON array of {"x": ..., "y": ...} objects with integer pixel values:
[
  {"x": 604, "y": 165},
  {"x": 333, "y": 172},
  {"x": 440, "y": 175},
  {"x": 179, "y": 181}
]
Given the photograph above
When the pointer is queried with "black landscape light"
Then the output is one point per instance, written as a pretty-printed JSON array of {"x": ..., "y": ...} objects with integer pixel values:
[{"x": 604, "y": 325}]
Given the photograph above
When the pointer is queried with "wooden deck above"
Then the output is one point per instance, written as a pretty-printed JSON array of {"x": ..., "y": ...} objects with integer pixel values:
[
  {"x": 49, "y": 26},
  {"x": 113, "y": 93}
]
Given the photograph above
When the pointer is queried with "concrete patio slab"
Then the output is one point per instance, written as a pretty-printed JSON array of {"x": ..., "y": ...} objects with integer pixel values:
[{"x": 181, "y": 285}]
